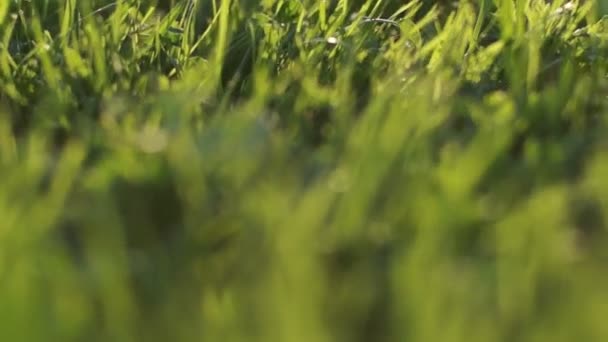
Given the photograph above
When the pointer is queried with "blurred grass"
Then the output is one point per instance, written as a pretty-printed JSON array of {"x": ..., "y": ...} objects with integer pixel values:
[{"x": 285, "y": 170}]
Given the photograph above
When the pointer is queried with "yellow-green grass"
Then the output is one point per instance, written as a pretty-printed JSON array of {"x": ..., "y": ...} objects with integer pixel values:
[{"x": 302, "y": 170}]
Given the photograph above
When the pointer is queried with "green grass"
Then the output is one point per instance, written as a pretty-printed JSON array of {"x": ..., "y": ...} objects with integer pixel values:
[{"x": 300, "y": 170}]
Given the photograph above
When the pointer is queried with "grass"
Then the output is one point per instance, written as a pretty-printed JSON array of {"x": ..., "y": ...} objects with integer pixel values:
[{"x": 299, "y": 170}]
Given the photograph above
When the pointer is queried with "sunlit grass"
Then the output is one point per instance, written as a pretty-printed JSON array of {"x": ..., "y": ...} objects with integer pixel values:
[{"x": 286, "y": 170}]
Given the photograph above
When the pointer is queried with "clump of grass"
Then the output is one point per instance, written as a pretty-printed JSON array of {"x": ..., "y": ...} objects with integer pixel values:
[{"x": 287, "y": 170}]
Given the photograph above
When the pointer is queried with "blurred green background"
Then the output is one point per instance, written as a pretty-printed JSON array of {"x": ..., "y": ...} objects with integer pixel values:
[{"x": 298, "y": 170}]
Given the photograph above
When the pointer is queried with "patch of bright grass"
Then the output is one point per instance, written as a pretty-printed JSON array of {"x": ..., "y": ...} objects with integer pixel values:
[{"x": 299, "y": 170}]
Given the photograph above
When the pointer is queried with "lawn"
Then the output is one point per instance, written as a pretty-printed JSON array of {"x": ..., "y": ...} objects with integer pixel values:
[{"x": 302, "y": 170}]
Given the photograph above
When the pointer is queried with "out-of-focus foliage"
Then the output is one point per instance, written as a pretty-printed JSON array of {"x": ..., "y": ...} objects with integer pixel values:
[{"x": 299, "y": 170}]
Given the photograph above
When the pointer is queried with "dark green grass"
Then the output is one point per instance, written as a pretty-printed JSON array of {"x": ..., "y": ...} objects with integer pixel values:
[{"x": 285, "y": 170}]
